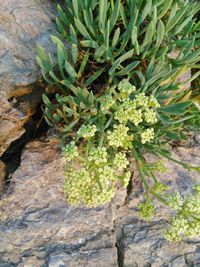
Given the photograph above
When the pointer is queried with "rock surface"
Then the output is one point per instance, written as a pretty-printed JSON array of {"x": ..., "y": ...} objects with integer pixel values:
[
  {"x": 38, "y": 228},
  {"x": 23, "y": 24}
]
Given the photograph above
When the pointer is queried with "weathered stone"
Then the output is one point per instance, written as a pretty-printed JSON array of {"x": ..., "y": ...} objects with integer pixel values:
[
  {"x": 2, "y": 175},
  {"x": 37, "y": 224},
  {"x": 142, "y": 244},
  {"x": 23, "y": 24},
  {"x": 38, "y": 228}
]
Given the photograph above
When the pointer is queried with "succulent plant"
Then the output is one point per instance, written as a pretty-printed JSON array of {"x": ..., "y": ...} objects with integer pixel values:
[{"x": 117, "y": 70}]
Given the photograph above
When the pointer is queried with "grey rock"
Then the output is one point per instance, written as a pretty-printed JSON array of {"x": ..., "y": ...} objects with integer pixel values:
[
  {"x": 37, "y": 224},
  {"x": 142, "y": 244}
]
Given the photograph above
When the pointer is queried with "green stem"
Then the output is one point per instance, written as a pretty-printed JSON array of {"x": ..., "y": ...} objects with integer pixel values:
[
  {"x": 185, "y": 165},
  {"x": 154, "y": 177},
  {"x": 101, "y": 139},
  {"x": 138, "y": 163},
  {"x": 112, "y": 4}
]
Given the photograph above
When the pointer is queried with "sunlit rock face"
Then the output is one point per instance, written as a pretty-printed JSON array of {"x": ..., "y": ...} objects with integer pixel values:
[
  {"x": 23, "y": 24},
  {"x": 39, "y": 228}
]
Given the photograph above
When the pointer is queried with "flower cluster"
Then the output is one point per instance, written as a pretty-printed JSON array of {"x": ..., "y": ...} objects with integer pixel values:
[
  {"x": 106, "y": 103},
  {"x": 141, "y": 100},
  {"x": 147, "y": 135},
  {"x": 150, "y": 116},
  {"x": 70, "y": 151},
  {"x": 94, "y": 180},
  {"x": 159, "y": 188},
  {"x": 126, "y": 179},
  {"x": 147, "y": 210},
  {"x": 175, "y": 201},
  {"x": 160, "y": 167},
  {"x": 98, "y": 155},
  {"x": 84, "y": 186},
  {"x": 187, "y": 221},
  {"x": 125, "y": 111},
  {"x": 120, "y": 161},
  {"x": 119, "y": 137},
  {"x": 153, "y": 102},
  {"x": 87, "y": 131},
  {"x": 126, "y": 89},
  {"x": 136, "y": 108}
]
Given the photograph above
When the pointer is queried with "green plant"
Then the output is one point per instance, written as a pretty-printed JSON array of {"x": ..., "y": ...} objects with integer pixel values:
[{"x": 120, "y": 96}]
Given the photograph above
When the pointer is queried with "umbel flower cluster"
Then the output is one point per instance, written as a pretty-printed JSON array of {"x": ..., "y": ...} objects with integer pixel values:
[
  {"x": 97, "y": 158},
  {"x": 187, "y": 221},
  {"x": 134, "y": 114},
  {"x": 94, "y": 179}
]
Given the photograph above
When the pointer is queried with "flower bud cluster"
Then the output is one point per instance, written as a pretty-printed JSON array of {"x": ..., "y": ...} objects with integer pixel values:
[
  {"x": 84, "y": 186},
  {"x": 175, "y": 201},
  {"x": 160, "y": 167},
  {"x": 126, "y": 178},
  {"x": 106, "y": 103},
  {"x": 87, "y": 131},
  {"x": 94, "y": 181},
  {"x": 150, "y": 116},
  {"x": 187, "y": 222},
  {"x": 147, "y": 210},
  {"x": 147, "y": 135},
  {"x": 98, "y": 155},
  {"x": 192, "y": 205},
  {"x": 125, "y": 111},
  {"x": 197, "y": 190},
  {"x": 119, "y": 137},
  {"x": 159, "y": 188},
  {"x": 141, "y": 100},
  {"x": 120, "y": 161},
  {"x": 126, "y": 89},
  {"x": 70, "y": 151},
  {"x": 153, "y": 102}
]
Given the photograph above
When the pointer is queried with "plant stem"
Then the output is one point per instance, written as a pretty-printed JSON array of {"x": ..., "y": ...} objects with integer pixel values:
[{"x": 138, "y": 163}]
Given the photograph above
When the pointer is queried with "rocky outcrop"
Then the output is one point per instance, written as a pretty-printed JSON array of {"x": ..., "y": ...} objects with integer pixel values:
[
  {"x": 23, "y": 24},
  {"x": 39, "y": 228}
]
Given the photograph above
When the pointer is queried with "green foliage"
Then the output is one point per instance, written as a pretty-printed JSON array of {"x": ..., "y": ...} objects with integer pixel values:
[{"x": 117, "y": 68}]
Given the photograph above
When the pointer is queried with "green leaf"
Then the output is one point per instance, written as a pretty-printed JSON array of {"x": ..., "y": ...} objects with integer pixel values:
[
  {"x": 165, "y": 8},
  {"x": 70, "y": 70},
  {"x": 145, "y": 11},
  {"x": 89, "y": 43},
  {"x": 81, "y": 28},
  {"x": 47, "y": 101},
  {"x": 176, "y": 19},
  {"x": 70, "y": 126},
  {"x": 134, "y": 35},
  {"x": 115, "y": 37},
  {"x": 115, "y": 14},
  {"x": 148, "y": 35},
  {"x": 176, "y": 109},
  {"x": 102, "y": 14},
  {"x": 128, "y": 68},
  {"x": 74, "y": 53},
  {"x": 160, "y": 33},
  {"x": 94, "y": 76},
  {"x": 83, "y": 64},
  {"x": 127, "y": 55}
]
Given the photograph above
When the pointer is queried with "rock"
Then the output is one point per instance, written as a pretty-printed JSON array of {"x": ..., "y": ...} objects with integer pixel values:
[
  {"x": 38, "y": 227},
  {"x": 142, "y": 244},
  {"x": 23, "y": 24},
  {"x": 2, "y": 175}
]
